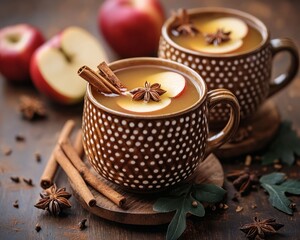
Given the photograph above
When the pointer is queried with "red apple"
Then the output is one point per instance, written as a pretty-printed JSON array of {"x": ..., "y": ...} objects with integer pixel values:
[
  {"x": 54, "y": 65},
  {"x": 17, "y": 44},
  {"x": 132, "y": 27}
]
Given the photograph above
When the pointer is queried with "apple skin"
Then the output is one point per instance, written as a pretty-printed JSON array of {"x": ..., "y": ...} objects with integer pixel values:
[
  {"x": 54, "y": 65},
  {"x": 15, "y": 61},
  {"x": 132, "y": 27}
]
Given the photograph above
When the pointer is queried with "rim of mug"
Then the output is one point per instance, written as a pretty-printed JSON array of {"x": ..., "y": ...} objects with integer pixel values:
[
  {"x": 261, "y": 27},
  {"x": 198, "y": 82}
]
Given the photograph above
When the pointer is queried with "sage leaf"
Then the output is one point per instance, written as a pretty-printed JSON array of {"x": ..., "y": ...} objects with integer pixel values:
[
  {"x": 276, "y": 184},
  {"x": 273, "y": 178},
  {"x": 284, "y": 147},
  {"x": 185, "y": 200},
  {"x": 209, "y": 193}
]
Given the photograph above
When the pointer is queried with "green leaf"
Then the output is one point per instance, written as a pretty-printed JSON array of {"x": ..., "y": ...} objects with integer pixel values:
[
  {"x": 273, "y": 178},
  {"x": 181, "y": 199},
  {"x": 209, "y": 193},
  {"x": 276, "y": 185},
  {"x": 291, "y": 186},
  {"x": 165, "y": 205},
  {"x": 284, "y": 147},
  {"x": 176, "y": 226},
  {"x": 277, "y": 198}
]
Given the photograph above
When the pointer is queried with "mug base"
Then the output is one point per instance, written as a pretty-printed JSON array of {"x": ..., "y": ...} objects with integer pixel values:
[{"x": 138, "y": 209}]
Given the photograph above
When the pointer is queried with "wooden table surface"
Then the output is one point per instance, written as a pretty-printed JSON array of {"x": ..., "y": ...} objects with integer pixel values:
[{"x": 281, "y": 17}]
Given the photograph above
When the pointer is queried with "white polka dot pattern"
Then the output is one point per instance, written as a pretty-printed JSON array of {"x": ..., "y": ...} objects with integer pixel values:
[
  {"x": 247, "y": 76},
  {"x": 144, "y": 154}
]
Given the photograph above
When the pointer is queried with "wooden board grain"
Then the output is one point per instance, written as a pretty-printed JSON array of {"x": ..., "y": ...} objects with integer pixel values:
[
  {"x": 264, "y": 124},
  {"x": 138, "y": 209}
]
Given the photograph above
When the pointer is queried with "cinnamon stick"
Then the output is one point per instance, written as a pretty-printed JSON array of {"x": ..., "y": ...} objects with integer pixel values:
[
  {"x": 51, "y": 167},
  {"x": 100, "y": 186},
  {"x": 98, "y": 81},
  {"x": 107, "y": 73},
  {"x": 78, "y": 146},
  {"x": 75, "y": 177}
]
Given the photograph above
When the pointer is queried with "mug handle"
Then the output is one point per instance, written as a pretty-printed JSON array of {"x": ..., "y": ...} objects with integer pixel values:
[
  {"x": 277, "y": 46},
  {"x": 215, "y": 97}
]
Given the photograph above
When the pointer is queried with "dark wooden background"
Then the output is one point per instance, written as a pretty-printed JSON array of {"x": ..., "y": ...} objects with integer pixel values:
[{"x": 281, "y": 17}]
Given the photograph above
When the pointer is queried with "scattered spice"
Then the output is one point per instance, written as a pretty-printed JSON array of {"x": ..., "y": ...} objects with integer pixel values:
[
  {"x": 248, "y": 160},
  {"x": 195, "y": 204},
  {"x": 225, "y": 206},
  {"x": 147, "y": 93},
  {"x": 15, "y": 179},
  {"x": 54, "y": 200},
  {"x": 38, "y": 157},
  {"x": 16, "y": 204},
  {"x": 243, "y": 180},
  {"x": 37, "y": 227},
  {"x": 260, "y": 229},
  {"x": 293, "y": 206},
  {"x": 6, "y": 151},
  {"x": 253, "y": 206},
  {"x": 31, "y": 108},
  {"x": 28, "y": 181},
  {"x": 82, "y": 224},
  {"x": 278, "y": 166},
  {"x": 239, "y": 209},
  {"x": 182, "y": 24},
  {"x": 20, "y": 138},
  {"x": 218, "y": 37}
]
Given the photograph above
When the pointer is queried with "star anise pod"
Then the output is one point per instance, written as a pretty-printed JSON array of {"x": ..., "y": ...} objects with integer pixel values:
[
  {"x": 182, "y": 24},
  {"x": 32, "y": 108},
  {"x": 218, "y": 37},
  {"x": 259, "y": 229},
  {"x": 147, "y": 93},
  {"x": 54, "y": 200},
  {"x": 242, "y": 180}
]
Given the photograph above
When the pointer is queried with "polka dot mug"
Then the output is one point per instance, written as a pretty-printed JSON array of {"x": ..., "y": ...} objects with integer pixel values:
[
  {"x": 246, "y": 74},
  {"x": 151, "y": 153}
]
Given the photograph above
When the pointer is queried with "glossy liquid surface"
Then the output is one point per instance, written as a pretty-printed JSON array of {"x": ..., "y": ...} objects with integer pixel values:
[
  {"x": 135, "y": 77},
  {"x": 250, "y": 41}
]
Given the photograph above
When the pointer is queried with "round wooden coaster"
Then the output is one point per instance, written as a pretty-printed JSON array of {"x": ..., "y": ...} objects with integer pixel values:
[
  {"x": 260, "y": 130},
  {"x": 138, "y": 208}
]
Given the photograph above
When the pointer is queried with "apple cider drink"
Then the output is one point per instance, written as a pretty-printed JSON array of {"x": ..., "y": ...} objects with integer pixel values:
[
  {"x": 214, "y": 33},
  {"x": 151, "y": 90}
]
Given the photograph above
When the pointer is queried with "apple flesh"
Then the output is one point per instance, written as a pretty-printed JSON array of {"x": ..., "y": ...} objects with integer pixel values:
[
  {"x": 237, "y": 27},
  {"x": 225, "y": 47},
  {"x": 141, "y": 106},
  {"x": 131, "y": 27},
  {"x": 54, "y": 65},
  {"x": 172, "y": 82},
  {"x": 17, "y": 45},
  {"x": 238, "y": 30}
]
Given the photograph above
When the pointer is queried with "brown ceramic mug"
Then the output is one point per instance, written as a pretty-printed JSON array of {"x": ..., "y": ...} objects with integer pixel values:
[
  {"x": 153, "y": 152},
  {"x": 247, "y": 74}
]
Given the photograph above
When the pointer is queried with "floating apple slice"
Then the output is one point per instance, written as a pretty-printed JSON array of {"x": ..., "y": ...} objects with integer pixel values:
[
  {"x": 172, "y": 82},
  {"x": 237, "y": 27},
  {"x": 225, "y": 47},
  {"x": 141, "y": 106}
]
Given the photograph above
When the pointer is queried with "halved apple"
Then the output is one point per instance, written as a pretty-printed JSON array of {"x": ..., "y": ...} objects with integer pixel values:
[
  {"x": 54, "y": 65},
  {"x": 172, "y": 82},
  {"x": 141, "y": 106},
  {"x": 236, "y": 26},
  {"x": 225, "y": 47}
]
